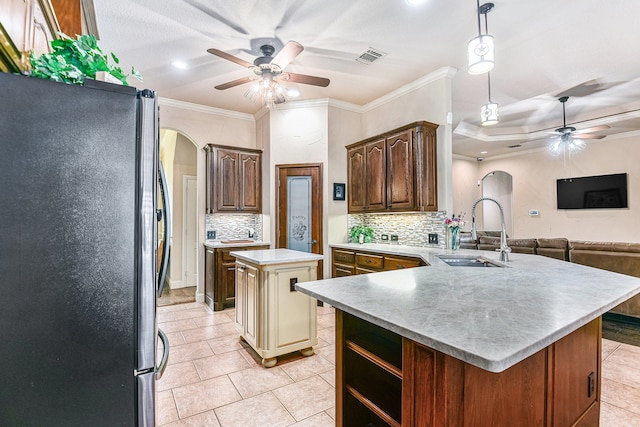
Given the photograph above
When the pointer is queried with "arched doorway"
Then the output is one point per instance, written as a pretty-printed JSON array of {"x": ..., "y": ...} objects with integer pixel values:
[
  {"x": 499, "y": 186},
  {"x": 179, "y": 158}
]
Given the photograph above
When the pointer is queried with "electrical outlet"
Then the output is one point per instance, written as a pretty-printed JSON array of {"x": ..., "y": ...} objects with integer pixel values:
[
  {"x": 384, "y": 237},
  {"x": 433, "y": 239},
  {"x": 394, "y": 237},
  {"x": 211, "y": 234}
]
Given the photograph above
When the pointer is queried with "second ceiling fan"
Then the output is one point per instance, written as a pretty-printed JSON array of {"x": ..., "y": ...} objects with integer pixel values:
[
  {"x": 570, "y": 132},
  {"x": 269, "y": 67}
]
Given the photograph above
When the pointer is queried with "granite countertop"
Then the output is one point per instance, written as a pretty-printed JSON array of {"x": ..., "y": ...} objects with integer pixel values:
[
  {"x": 234, "y": 243},
  {"x": 275, "y": 256},
  {"x": 491, "y": 317}
]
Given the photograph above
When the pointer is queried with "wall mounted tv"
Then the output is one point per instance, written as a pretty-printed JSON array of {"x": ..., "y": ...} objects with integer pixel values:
[{"x": 593, "y": 192}]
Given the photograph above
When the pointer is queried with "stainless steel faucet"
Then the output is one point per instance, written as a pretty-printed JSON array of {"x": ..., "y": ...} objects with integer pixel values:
[{"x": 504, "y": 248}]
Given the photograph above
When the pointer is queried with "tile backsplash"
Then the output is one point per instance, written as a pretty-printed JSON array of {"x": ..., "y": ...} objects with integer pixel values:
[
  {"x": 411, "y": 228},
  {"x": 234, "y": 226}
]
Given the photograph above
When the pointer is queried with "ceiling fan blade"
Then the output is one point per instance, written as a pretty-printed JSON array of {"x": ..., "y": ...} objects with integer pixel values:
[
  {"x": 287, "y": 54},
  {"x": 591, "y": 129},
  {"x": 304, "y": 79},
  {"x": 229, "y": 57},
  {"x": 236, "y": 82},
  {"x": 587, "y": 136}
]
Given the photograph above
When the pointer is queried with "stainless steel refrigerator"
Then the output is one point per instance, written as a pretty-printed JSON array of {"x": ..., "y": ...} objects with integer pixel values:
[{"x": 79, "y": 272}]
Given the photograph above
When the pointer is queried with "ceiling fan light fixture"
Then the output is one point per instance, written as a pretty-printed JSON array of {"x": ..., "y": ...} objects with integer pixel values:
[
  {"x": 270, "y": 91},
  {"x": 481, "y": 49}
]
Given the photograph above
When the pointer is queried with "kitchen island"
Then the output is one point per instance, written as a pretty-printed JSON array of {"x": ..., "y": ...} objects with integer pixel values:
[
  {"x": 271, "y": 316},
  {"x": 443, "y": 345}
]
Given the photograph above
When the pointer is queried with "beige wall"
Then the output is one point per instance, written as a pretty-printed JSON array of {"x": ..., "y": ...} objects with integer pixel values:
[
  {"x": 204, "y": 125},
  {"x": 184, "y": 164},
  {"x": 534, "y": 187}
]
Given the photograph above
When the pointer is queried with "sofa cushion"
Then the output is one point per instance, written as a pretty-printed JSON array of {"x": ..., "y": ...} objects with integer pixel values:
[
  {"x": 523, "y": 246},
  {"x": 554, "y": 248},
  {"x": 613, "y": 256},
  {"x": 488, "y": 243}
]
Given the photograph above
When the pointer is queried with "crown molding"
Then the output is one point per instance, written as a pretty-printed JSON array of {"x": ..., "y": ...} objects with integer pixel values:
[
  {"x": 199, "y": 108},
  {"x": 444, "y": 72}
]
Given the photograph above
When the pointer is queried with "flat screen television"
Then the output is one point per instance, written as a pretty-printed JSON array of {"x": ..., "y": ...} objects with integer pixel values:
[{"x": 593, "y": 192}]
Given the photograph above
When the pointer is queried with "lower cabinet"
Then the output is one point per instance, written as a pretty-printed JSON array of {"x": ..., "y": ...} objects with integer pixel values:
[
  {"x": 220, "y": 276},
  {"x": 347, "y": 262},
  {"x": 383, "y": 379},
  {"x": 271, "y": 316}
]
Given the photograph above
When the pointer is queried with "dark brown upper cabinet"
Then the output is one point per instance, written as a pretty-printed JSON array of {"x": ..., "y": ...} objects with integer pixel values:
[
  {"x": 233, "y": 179},
  {"x": 395, "y": 171}
]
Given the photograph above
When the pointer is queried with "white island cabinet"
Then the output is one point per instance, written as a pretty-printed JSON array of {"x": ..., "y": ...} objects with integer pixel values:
[{"x": 271, "y": 316}]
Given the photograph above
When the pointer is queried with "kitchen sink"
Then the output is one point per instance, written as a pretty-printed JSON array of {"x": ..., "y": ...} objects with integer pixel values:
[
  {"x": 233, "y": 242},
  {"x": 470, "y": 261}
]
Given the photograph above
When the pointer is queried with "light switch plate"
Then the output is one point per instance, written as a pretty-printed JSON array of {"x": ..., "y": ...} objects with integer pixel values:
[
  {"x": 394, "y": 237},
  {"x": 211, "y": 234},
  {"x": 384, "y": 237},
  {"x": 433, "y": 239}
]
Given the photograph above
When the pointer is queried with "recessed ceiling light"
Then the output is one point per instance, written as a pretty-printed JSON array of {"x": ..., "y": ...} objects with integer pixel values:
[
  {"x": 483, "y": 152},
  {"x": 180, "y": 65},
  {"x": 414, "y": 2},
  {"x": 293, "y": 92}
]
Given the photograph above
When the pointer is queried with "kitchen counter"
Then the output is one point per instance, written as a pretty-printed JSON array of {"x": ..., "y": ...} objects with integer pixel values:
[
  {"x": 491, "y": 318},
  {"x": 275, "y": 256},
  {"x": 231, "y": 243}
]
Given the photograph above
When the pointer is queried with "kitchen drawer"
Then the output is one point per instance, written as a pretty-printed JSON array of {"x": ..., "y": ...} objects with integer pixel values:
[
  {"x": 226, "y": 251},
  {"x": 345, "y": 257},
  {"x": 340, "y": 270},
  {"x": 394, "y": 263},
  {"x": 369, "y": 261}
]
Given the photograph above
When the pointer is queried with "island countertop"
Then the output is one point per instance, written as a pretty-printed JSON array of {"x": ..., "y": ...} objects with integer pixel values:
[
  {"x": 275, "y": 256},
  {"x": 492, "y": 318}
]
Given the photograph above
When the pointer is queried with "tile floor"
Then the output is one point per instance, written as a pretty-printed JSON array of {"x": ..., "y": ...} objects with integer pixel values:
[{"x": 213, "y": 379}]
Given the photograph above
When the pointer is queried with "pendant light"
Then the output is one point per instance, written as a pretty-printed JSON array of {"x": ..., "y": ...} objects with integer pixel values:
[
  {"x": 481, "y": 50},
  {"x": 489, "y": 111}
]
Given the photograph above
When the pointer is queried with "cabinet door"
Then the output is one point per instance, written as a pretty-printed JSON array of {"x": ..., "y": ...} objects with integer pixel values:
[
  {"x": 226, "y": 176},
  {"x": 375, "y": 176},
  {"x": 250, "y": 188},
  {"x": 209, "y": 277},
  {"x": 228, "y": 284},
  {"x": 426, "y": 164},
  {"x": 252, "y": 307},
  {"x": 355, "y": 178},
  {"x": 241, "y": 297},
  {"x": 399, "y": 151}
]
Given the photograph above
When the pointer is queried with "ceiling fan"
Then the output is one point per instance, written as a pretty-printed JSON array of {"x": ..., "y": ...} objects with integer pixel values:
[
  {"x": 569, "y": 137},
  {"x": 270, "y": 68},
  {"x": 567, "y": 132}
]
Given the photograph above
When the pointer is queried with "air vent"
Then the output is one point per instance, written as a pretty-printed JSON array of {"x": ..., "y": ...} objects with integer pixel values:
[
  {"x": 515, "y": 146},
  {"x": 370, "y": 56}
]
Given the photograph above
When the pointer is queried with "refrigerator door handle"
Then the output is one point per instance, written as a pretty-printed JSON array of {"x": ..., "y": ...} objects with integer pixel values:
[
  {"x": 166, "y": 216},
  {"x": 165, "y": 354}
]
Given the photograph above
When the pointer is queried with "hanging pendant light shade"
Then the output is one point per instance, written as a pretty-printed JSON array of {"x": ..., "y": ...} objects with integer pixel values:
[
  {"x": 489, "y": 114},
  {"x": 481, "y": 50},
  {"x": 489, "y": 111}
]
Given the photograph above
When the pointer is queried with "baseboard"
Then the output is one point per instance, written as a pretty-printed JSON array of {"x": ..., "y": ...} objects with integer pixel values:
[
  {"x": 176, "y": 284},
  {"x": 621, "y": 318},
  {"x": 199, "y": 297}
]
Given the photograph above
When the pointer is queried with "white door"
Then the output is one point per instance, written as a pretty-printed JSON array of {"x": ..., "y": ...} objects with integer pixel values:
[{"x": 190, "y": 243}]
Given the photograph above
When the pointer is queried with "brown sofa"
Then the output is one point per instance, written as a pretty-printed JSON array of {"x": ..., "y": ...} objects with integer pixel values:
[
  {"x": 521, "y": 246},
  {"x": 613, "y": 256}
]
